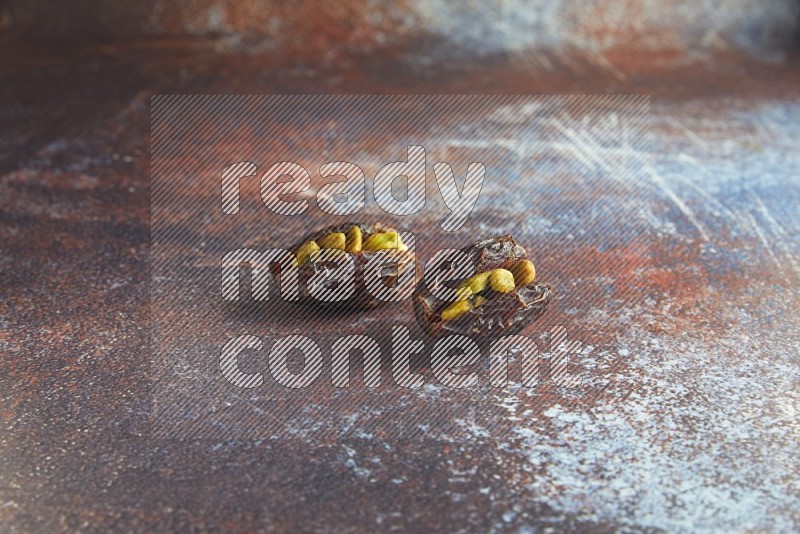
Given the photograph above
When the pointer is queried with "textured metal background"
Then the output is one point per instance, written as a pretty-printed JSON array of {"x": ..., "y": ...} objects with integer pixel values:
[{"x": 705, "y": 436}]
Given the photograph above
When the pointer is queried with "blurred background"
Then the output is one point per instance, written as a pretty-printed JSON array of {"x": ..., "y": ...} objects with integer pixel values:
[
  {"x": 68, "y": 66},
  {"x": 704, "y": 439},
  {"x": 670, "y": 31}
]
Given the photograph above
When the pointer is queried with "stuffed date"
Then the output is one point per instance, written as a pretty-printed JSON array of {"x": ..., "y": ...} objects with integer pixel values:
[
  {"x": 358, "y": 244},
  {"x": 500, "y": 296}
]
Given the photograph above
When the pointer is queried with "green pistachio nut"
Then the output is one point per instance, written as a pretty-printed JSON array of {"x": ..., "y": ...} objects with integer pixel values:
[
  {"x": 384, "y": 241},
  {"x": 353, "y": 240},
  {"x": 524, "y": 272},
  {"x": 463, "y": 293},
  {"x": 455, "y": 310},
  {"x": 305, "y": 250},
  {"x": 501, "y": 280},
  {"x": 478, "y": 300},
  {"x": 335, "y": 240},
  {"x": 477, "y": 282}
]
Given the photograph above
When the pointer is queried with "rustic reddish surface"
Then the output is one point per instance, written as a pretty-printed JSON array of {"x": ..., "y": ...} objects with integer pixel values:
[{"x": 75, "y": 380}]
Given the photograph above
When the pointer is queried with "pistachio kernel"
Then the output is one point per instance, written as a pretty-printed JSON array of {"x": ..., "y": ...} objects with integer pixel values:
[
  {"x": 501, "y": 280},
  {"x": 305, "y": 251},
  {"x": 478, "y": 301},
  {"x": 383, "y": 241},
  {"x": 477, "y": 282},
  {"x": 353, "y": 240},
  {"x": 325, "y": 254},
  {"x": 524, "y": 272},
  {"x": 335, "y": 240},
  {"x": 455, "y": 310},
  {"x": 463, "y": 293}
]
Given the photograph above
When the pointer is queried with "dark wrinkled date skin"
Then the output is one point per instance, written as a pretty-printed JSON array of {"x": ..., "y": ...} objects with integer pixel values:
[
  {"x": 361, "y": 297},
  {"x": 502, "y": 313}
]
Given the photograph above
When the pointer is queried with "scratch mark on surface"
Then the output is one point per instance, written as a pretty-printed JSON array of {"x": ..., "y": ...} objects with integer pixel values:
[
  {"x": 585, "y": 148},
  {"x": 682, "y": 206},
  {"x": 689, "y": 133},
  {"x": 603, "y": 62},
  {"x": 702, "y": 192},
  {"x": 779, "y": 229},
  {"x": 763, "y": 237}
]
